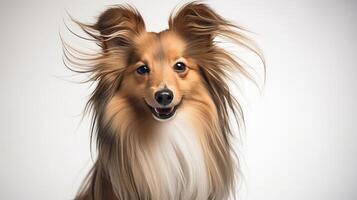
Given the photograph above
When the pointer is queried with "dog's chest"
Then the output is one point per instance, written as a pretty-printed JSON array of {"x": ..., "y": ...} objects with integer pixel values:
[{"x": 180, "y": 160}]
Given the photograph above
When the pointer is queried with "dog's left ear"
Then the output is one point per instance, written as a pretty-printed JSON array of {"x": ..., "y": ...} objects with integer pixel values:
[
  {"x": 196, "y": 21},
  {"x": 199, "y": 25}
]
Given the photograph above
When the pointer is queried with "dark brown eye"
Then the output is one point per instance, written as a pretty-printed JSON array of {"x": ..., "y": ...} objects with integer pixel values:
[
  {"x": 143, "y": 69},
  {"x": 180, "y": 67}
]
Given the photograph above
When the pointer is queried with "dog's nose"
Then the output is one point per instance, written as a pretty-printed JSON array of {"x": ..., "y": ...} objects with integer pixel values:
[{"x": 164, "y": 97}]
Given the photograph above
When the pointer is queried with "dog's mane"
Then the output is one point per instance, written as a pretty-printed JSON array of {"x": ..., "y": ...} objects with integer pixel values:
[{"x": 200, "y": 26}]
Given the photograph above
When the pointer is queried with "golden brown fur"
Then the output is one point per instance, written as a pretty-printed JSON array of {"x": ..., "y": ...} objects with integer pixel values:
[{"x": 132, "y": 162}]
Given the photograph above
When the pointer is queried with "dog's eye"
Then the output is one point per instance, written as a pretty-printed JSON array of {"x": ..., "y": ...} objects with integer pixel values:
[
  {"x": 143, "y": 69},
  {"x": 180, "y": 67}
]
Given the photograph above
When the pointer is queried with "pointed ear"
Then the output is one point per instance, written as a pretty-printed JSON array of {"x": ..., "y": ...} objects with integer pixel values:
[
  {"x": 119, "y": 26},
  {"x": 199, "y": 25},
  {"x": 197, "y": 21}
]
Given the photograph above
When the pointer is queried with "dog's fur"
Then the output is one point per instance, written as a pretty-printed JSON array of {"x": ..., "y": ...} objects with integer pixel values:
[{"x": 189, "y": 156}]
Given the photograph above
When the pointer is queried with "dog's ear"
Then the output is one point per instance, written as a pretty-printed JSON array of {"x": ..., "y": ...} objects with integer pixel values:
[
  {"x": 119, "y": 26},
  {"x": 197, "y": 21},
  {"x": 200, "y": 25}
]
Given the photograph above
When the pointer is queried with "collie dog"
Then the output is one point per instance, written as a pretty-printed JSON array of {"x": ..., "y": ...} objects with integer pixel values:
[{"x": 161, "y": 105}]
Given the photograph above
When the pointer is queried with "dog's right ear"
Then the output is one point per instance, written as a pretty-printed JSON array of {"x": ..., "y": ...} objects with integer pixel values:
[{"x": 119, "y": 26}]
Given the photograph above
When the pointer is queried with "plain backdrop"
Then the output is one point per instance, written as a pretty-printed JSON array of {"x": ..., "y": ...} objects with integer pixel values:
[{"x": 301, "y": 140}]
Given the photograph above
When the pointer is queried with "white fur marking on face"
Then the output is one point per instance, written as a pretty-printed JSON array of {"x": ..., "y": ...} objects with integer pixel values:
[{"x": 180, "y": 161}]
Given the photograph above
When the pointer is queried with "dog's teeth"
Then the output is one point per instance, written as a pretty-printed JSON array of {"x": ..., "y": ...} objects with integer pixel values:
[{"x": 163, "y": 110}]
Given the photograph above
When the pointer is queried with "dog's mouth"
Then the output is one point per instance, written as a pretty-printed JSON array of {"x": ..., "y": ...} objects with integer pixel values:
[{"x": 163, "y": 113}]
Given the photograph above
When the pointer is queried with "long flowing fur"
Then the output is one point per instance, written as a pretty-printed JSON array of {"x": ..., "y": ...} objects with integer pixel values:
[{"x": 189, "y": 158}]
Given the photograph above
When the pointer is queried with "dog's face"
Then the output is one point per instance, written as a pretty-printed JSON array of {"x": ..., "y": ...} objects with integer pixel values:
[
  {"x": 159, "y": 73},
  {"x": 159, "y": 76}
]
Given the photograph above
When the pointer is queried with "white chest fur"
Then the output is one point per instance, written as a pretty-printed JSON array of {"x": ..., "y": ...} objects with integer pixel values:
[{"x": 179, "y": 161}]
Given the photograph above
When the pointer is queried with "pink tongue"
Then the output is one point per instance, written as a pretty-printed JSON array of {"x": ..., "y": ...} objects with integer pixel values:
[{"x": 163, "y": 110}]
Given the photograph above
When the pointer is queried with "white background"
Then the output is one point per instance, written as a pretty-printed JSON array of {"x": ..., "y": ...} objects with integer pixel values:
[{"x": 301, "y": 138}]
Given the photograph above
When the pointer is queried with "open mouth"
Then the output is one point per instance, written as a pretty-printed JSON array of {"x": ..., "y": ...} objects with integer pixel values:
[{"x": 163, "y": 113}]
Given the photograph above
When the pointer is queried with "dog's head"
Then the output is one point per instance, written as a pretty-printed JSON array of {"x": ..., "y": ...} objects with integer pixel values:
[{"x": 158, "y": 73}]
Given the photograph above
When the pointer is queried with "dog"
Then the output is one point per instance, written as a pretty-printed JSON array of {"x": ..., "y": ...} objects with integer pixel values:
[{"x": 162, "y": 105}]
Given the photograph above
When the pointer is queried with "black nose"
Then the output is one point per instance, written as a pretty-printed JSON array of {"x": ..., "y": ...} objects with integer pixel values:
[{"x": 164, "y": 97}]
